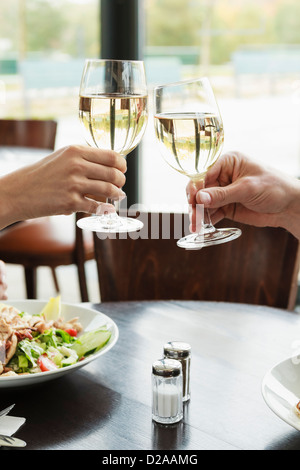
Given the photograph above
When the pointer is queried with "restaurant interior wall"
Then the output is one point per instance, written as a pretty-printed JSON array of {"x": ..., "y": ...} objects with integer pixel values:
[{"x": 250, "y": 50}]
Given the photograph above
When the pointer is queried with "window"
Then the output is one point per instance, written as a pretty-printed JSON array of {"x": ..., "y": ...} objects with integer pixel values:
[
  {"x": 43, "y": 45},
  {"x": 250, "y": 50}
]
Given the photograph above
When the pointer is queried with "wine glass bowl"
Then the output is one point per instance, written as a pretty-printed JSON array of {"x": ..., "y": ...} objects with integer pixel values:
[
  {"x": 190, "y": 134},
  {"x": 113, "y": 111}
]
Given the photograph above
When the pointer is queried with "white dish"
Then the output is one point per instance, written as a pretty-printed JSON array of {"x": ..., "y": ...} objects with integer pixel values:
[
  {"x": 281, "y": 390},
  {"x": 90, "y": 319}
]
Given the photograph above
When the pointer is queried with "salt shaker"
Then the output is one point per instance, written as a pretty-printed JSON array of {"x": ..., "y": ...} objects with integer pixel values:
[
  {"x": 181, "y": 352},
  {"x": 167, "y": 405}
]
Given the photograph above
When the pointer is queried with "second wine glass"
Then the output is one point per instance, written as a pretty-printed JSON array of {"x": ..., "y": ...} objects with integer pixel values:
[
  {"x": 189, "y": 129},
  {"x": 113, "y": 112}
]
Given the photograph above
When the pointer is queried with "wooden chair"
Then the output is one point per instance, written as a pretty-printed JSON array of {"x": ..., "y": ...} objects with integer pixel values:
[
  {"x": 47, "y": 241},
  {"x": 28, "y": 133},
  {"x": 260, "y": 267}
]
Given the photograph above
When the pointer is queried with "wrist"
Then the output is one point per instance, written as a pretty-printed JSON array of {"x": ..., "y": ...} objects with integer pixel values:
[
  {"x": 291, "y": 216},
  {"x": 8, "y": 212},
  {"x": 6, "y": 217}
]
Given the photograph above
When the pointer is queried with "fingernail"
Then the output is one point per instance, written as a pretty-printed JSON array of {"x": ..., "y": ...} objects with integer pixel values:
[
  {"x": 104, "y": 208},
  {"x": 204, "y": 197}
]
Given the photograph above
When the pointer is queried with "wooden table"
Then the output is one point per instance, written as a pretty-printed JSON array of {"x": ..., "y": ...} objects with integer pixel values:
[{"x": 107, "y": 404}]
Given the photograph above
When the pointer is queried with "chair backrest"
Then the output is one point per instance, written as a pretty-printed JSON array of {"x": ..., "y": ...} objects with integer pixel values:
[
  {"x": 261, "y": 267},
  {"x": 34, "y": 133}
]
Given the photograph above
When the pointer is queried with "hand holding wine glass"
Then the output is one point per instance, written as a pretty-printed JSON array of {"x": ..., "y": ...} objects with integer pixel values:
[
  {"x": 242, "y": 189},
  {"x": 189, "y": 129},
  {"x": 113, "y": 113}
]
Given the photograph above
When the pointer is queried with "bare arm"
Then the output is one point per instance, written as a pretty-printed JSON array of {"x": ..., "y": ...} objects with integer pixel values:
[{"x": 69, "y": 180}]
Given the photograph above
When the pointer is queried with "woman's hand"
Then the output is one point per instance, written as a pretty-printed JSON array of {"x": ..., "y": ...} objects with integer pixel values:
[
  {"x": 72, "y": 179},
  {"x": 3, "y": 285}
]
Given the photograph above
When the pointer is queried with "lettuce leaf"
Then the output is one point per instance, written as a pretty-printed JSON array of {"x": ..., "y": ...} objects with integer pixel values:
[{"x": 31, "y": 350}]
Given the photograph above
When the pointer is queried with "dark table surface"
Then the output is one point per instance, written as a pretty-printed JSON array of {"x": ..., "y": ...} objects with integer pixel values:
[{"x": 107, "y": 404}]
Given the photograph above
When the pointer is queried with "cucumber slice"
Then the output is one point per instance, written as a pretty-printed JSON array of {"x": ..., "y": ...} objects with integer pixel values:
[{"x": 91, "y": 341}]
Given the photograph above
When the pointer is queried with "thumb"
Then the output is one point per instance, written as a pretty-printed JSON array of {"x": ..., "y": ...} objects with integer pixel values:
[
  {"x": 91, "y": 206},
  {"x": 219, "y": 196},
  {"x": 105, "y": 208}
]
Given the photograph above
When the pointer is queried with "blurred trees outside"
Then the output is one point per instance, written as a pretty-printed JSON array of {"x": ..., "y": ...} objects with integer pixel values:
[
  {"x": 71, "y": 27},
  {"x": 49, "y": 27},
  {"x": 225, "y": 25}
]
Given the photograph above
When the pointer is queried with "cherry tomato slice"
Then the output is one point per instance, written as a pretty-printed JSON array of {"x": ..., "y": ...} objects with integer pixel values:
[
  {"x": 45, "y": 364},
  {"x": 71, "y": 331}
]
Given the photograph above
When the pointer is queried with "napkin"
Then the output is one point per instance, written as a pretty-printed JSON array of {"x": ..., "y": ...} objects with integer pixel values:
[{"x": 10, "y": 424}]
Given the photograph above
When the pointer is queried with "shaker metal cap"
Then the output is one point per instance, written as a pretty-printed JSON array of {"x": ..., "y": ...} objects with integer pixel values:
[
  {"x": 167, "y": 368},
  {"x": 177, "y": 349}
]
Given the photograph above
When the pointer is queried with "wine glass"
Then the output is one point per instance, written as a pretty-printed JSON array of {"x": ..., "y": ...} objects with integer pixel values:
[
  {"x": 189, "y": 129},
  {"x": 113, "y": 111}
]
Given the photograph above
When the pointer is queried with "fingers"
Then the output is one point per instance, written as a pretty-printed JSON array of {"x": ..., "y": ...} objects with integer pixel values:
[
  {"x": 106, "y": 174},
  {"x": 191, "y": 191},
  {"x": 100, "y": 190},
  {"x": 105, "y": 166},
  {"x": 104, "y": 208},
  {"x": 196, "y": 218},
  {"x": 107, "y": 158},
  {"x": 95, "y": 174},
  {"x": 91, "y": 206},
  {"x": 94, "y": 163},
  {"x": 3, "y": 285},
  {"x": 204, "y": 197},
  {"x": 220, "y": 196}
]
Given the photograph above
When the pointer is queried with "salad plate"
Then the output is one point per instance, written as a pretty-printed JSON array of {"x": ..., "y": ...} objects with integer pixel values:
[
  {"x": 90, "y": 321},
  {"x": 281, "y": 390}
]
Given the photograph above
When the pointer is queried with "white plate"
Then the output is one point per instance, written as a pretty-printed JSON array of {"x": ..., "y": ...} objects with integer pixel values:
[
  {"x": 281, "y": 390},
  {"x": 90, "y": 319}
]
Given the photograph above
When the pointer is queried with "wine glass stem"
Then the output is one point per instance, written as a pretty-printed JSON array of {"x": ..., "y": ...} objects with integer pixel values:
[
  {"x": 110, "y": 218},
  {"x": 207, "y": 225},
  {"x": 112, "y": 201}
]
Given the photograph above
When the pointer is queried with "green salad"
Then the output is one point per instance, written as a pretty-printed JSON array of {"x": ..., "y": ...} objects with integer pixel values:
[{"x": 44, "y": 342}]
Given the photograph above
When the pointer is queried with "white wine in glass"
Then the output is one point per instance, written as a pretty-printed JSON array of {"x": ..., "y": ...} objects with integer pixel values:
[
  {"x": 113, "y": 111},
  {"x": 189, "y": 129}
]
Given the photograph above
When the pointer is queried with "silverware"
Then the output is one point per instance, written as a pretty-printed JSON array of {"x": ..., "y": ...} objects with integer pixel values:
[
  {"x": 6, "y": 410},
  {"x": 10, "y": 441}
]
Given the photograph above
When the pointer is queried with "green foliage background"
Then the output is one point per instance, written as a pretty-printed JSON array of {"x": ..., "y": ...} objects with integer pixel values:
[{"x": 72, "y": 27}]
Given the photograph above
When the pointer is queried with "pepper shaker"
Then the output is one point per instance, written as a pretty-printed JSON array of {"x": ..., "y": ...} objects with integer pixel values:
[
  {"x": 167, "y": 405},
  {"x": 181, "y": 352}
]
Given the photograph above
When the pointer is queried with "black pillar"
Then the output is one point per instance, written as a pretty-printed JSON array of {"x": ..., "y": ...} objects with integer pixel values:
[{"x": 122, "y": 37}]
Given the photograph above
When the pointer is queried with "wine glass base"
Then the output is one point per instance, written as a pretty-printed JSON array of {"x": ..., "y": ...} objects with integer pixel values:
[
  {"x": 104, "y": 224},
  {"x": 198, "y": 241}
]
